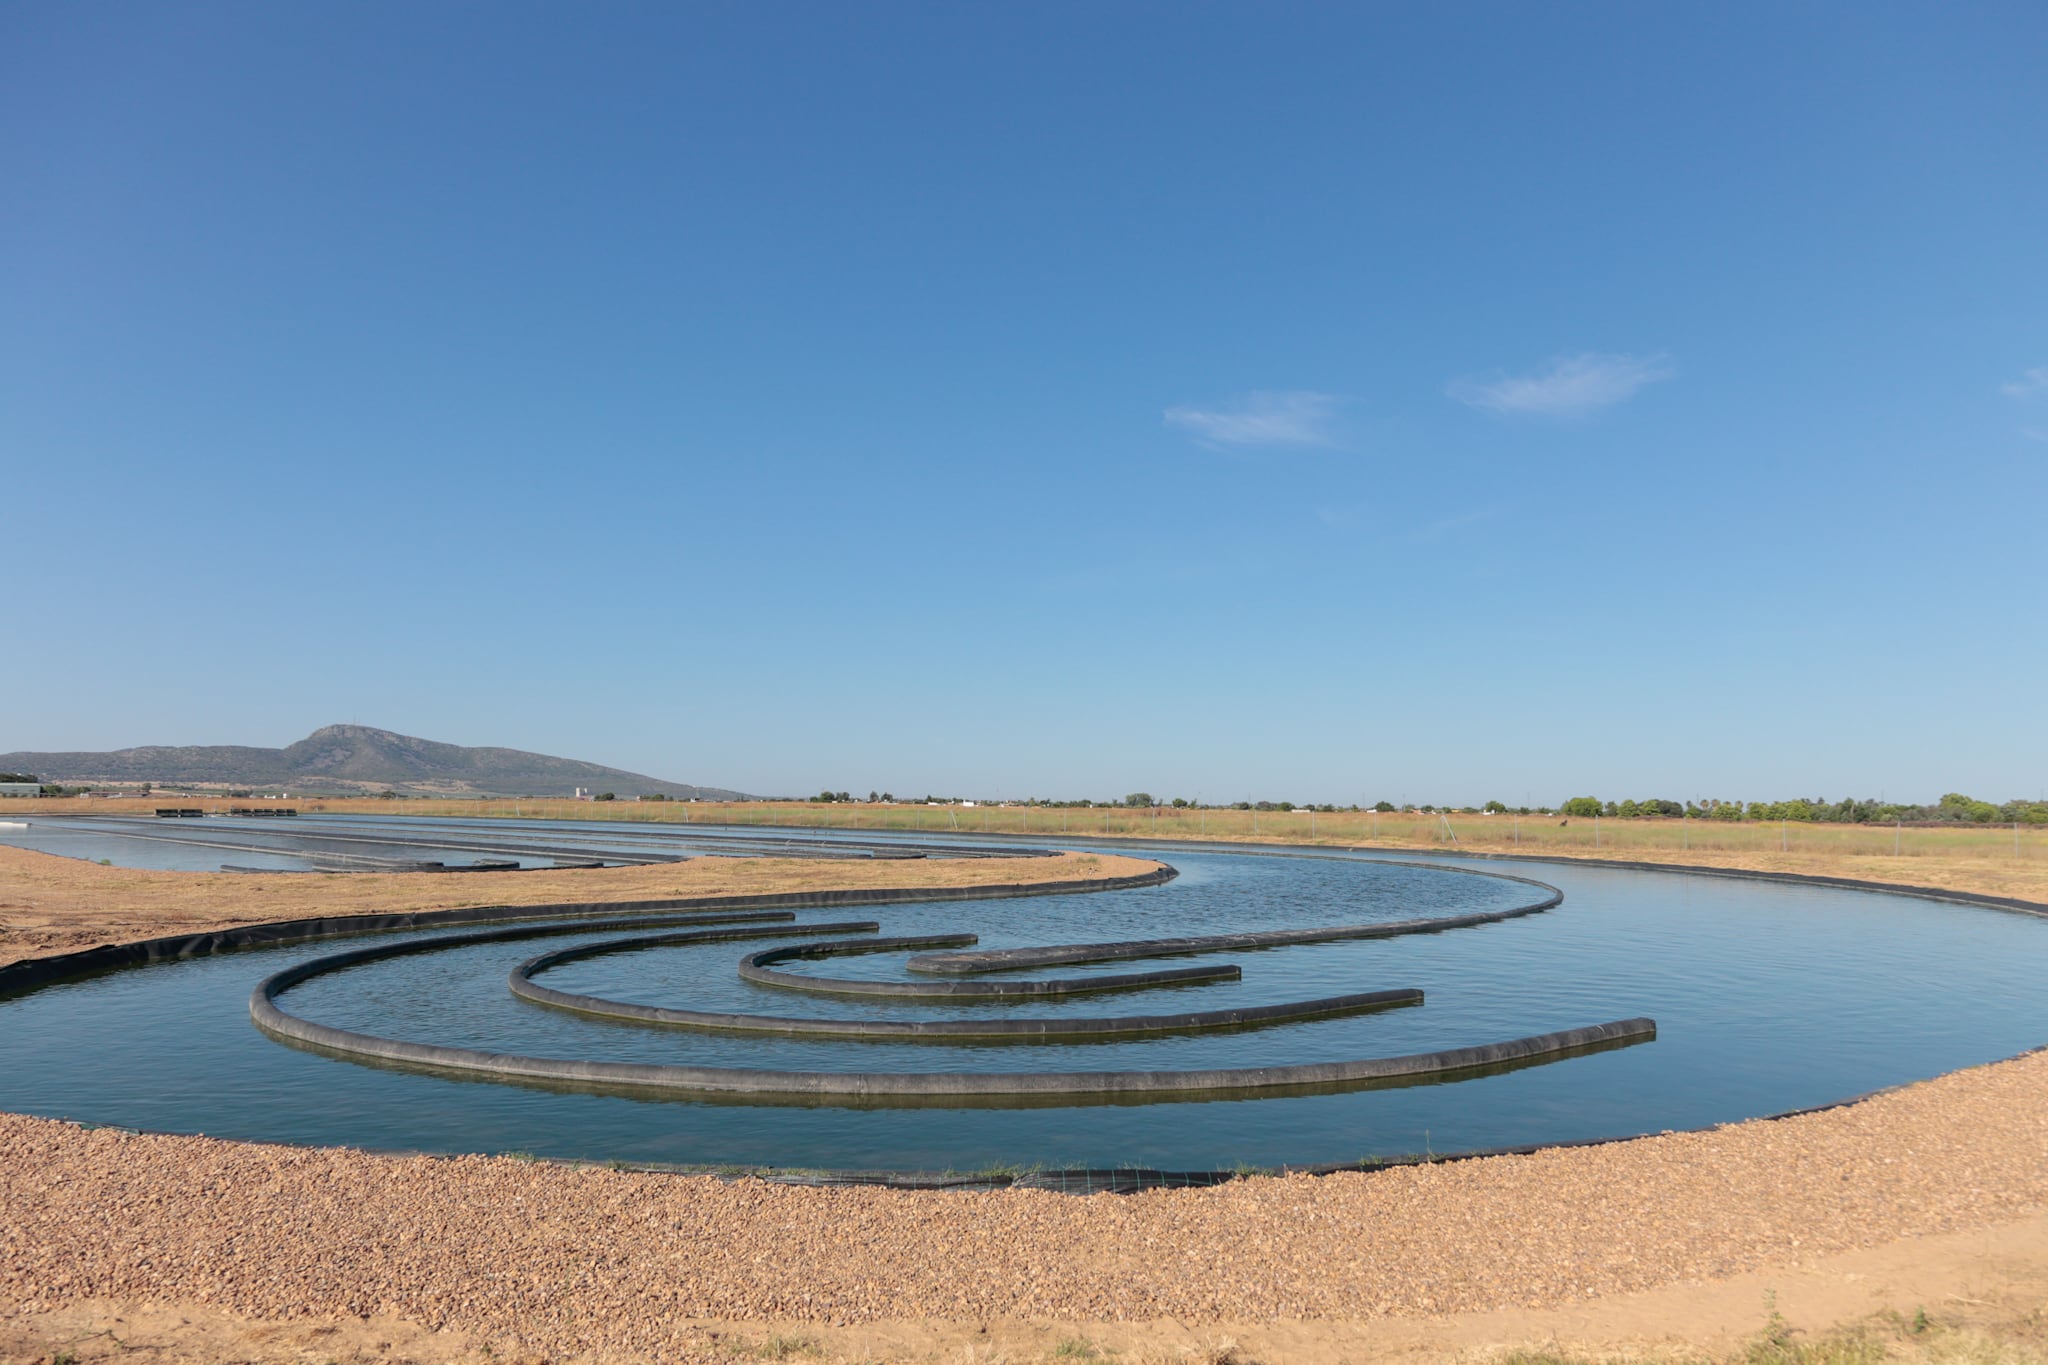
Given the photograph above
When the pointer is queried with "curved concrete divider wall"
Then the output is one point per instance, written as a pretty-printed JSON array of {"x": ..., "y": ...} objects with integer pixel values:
[
  {"x": 710, "y": 1080},
  {"x": 919, "y": 1030},
  {"x": 754, "y": 967},
  {"x": 926, "y": 1087}
]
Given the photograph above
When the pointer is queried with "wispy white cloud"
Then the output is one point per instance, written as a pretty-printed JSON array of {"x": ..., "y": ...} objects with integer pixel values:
[
  {"x": 1294, "y": 417},
  {"x": 1344, "y": 516},
  {"x": 2032, "y": 384},
  {"x": 1572, "y": 386},
  {"x": 1451, "y": 525}
]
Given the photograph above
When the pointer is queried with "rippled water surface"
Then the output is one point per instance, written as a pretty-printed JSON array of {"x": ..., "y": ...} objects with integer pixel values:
[{"x": 1768, "y": 997}]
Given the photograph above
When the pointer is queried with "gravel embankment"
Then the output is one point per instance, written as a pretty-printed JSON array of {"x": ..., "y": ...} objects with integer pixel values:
[{"x": 564, "y": 1260}]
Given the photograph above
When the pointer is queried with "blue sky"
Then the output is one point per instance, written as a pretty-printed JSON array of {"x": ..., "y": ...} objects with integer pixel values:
[{"x": 1430, "y": 402}]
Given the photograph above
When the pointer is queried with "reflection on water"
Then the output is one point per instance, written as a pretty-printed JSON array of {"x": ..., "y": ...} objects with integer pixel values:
[{"x": 371, "y": 843}]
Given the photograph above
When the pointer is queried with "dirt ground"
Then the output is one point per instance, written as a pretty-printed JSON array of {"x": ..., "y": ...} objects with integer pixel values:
[
  {"x": 1927, "y": 1207},
  {"x": 1973, "y": 1296}
]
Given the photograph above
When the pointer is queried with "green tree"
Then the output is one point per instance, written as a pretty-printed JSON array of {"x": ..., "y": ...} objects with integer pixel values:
[
  {"x": 1956, "y": 806},
  {"x": 1585, "y": 807}
]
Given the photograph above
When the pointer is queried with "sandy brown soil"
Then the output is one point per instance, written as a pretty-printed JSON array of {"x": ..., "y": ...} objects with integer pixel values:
[
  {"x": 1981, "y": 1289},
  {"x": 1934, "y": 1196},
  {"x": 557, "y": 1261},
  {"x": 54, "y": 905}
]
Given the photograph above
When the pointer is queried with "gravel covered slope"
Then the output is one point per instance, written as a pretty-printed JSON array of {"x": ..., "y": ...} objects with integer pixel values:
[{"x": 564, "y": 1260}]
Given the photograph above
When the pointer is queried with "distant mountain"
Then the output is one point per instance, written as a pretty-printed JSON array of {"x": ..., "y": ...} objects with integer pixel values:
[{"x": 352, "y": 759}]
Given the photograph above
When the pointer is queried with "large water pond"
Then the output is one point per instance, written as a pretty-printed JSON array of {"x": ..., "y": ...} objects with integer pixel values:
[
  {"x": 318, "y": 842},
  {"x": 1767, "y": 997}
]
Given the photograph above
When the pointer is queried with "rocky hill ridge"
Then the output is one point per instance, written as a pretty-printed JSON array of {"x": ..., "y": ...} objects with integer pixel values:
[{"x": 353, "y": 759}]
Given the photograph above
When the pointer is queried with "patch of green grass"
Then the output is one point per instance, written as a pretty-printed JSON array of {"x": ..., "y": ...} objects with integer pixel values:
[
  {"x": 1921, "y": 1339},
  {"x": 1006, "y": 1170},
  {"x": 1784, "y": 1347},
  {"x": 781, "y": 1347},
  {"x": 1076, "y": 1348}
]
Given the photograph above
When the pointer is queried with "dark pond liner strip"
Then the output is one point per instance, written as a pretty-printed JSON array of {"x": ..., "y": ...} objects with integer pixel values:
[
  {"x": 31, "y": 973},
  {"x": 755, "y": 967},
  {"x": 1057, "y": 1030}
]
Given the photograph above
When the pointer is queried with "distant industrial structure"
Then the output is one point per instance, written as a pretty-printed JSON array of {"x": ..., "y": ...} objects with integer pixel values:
[{"x": 21, "y": 789}]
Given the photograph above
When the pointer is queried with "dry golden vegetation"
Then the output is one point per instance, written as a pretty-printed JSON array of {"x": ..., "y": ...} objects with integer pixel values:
[{"x": 1994, "y": 860}]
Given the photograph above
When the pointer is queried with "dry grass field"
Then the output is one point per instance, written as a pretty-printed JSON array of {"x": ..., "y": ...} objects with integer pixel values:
[{"x": 1992, "y": 860}]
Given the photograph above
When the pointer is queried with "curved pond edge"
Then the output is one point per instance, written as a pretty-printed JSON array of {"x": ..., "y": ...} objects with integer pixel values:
[
  {"x": 31, "y": 973},
  {"x": 1405, "y": 856},
  {"x": 1118, "y": 1180}
]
